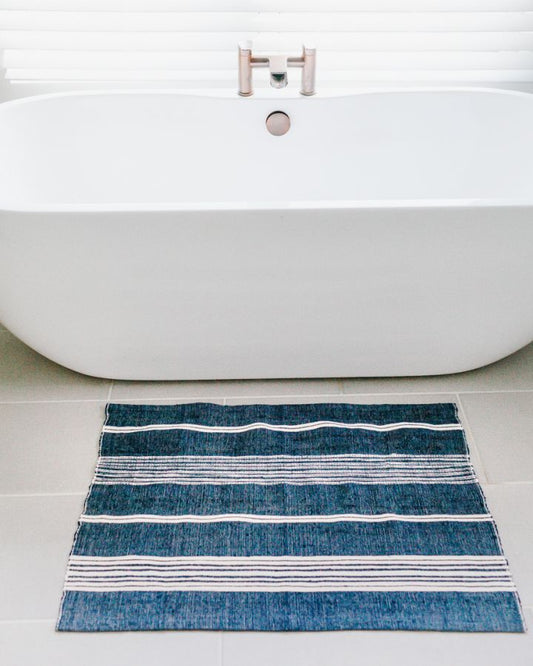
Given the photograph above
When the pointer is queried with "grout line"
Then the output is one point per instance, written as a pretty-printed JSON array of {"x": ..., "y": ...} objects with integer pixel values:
[
  {"x": 11, "y": 495},
  {"x": 506, "y": 483},
  {"x": 219, "y": 400},
  {"x": 528, "y": 390},
  {"x": 247, "y": 396},
  {"x": 51, "y": 402},
  {"x": 472, "y": 440},
  {"x": 450, "y": 391},
  {"x": 24, "y": 621},
  {"x": 276, "y": 396}
]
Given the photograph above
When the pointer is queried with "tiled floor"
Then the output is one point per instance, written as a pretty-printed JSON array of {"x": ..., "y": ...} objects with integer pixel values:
[{"x": 49, "y": 423}]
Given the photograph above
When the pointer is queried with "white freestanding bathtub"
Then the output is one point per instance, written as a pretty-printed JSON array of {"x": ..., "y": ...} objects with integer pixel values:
[{"x": 156, "y": 235}]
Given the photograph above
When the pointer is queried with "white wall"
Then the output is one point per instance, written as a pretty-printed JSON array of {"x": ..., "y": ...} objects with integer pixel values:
[{"x": 50, "y": 45}]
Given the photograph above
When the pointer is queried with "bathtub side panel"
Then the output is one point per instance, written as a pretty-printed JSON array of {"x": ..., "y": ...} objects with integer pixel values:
[{"x": 243, "y": 294}]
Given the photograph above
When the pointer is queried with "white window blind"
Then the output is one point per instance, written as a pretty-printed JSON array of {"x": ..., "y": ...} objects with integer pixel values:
[{"x": 49, "y": 45}]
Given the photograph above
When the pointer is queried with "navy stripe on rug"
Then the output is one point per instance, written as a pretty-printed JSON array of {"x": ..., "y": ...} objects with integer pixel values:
[
  {"x": 283, "y": 611},
  {"x": 286, "y": 517}
]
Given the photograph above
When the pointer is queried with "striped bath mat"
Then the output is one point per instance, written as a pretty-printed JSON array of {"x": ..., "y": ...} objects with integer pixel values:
[{"x": 286, "y": 517}]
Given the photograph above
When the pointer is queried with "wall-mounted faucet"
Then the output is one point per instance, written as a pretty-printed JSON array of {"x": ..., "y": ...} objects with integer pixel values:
[{"x": 278, "y": 65}]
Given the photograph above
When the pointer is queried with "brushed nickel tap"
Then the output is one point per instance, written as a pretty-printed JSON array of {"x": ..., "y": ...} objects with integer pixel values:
[{"x": 278, "y": 66}]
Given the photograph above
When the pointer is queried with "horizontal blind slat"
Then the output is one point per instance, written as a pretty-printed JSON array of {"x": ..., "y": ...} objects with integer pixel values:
[
  {"x": 329, "y": 61},
  {"x": 410, "y": 41},
  {"x": 228, "y": 76},
  {"x": 266, "y": 41},
  {"x": 266, "y": 21},
  {"x": 266, "y": 5},
  {"x": 138, "y": 21},
  {"x": 400, "y": 21},
  {"x": 116, "y": 41}
]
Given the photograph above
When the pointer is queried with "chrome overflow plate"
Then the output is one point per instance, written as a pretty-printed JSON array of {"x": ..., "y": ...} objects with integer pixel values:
[{"x": 278, "y": 123}]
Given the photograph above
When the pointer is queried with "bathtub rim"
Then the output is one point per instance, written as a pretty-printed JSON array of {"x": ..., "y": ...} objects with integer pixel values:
[{"x": 262, "y": 95}]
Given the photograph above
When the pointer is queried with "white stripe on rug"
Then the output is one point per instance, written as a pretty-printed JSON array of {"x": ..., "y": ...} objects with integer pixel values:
[
  {"x": 290, "y": 573},
  {"x": 284, "y": 481},
  {"x": 277, "y": 469},
  {"x": 286, "y": 560},
  {"x": 301, "y": 427},
  {"x": 263, "y": 518}
]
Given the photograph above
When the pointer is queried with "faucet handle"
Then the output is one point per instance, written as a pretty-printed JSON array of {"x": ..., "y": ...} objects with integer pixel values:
[
  {"x": 245, "y": 45},
  {"x": 307, "y": 61},
  {"x": 309, "y": 70},
  {"x": 245, "y": 69}
]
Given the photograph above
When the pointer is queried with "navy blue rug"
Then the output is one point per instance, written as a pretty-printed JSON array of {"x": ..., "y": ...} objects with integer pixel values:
[{"x": 287, "y": 518}]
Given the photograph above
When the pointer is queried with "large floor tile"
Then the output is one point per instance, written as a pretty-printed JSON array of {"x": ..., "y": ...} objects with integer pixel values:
[
  {"x": 502, "y": 428},
  {"x": 37, "y": 534},
  {"x": 165, "y": 401},
  {"x": 510, "y": 374},
  {"x": 37, "y": 644},
  {"x": 510, "y": 505},
  {"x": 379, "y": 648},
  {"x": 223, "y": 389},
  {"x": 392, "y": 399},
  {"x": 26, "y": 375},
  {"x": 49, "y": 447}
]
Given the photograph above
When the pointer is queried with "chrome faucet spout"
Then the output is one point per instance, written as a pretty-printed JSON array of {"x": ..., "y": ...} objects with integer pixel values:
[
  {"x": 278, "y": 79},
  {"x": 278, "y": 71}
]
